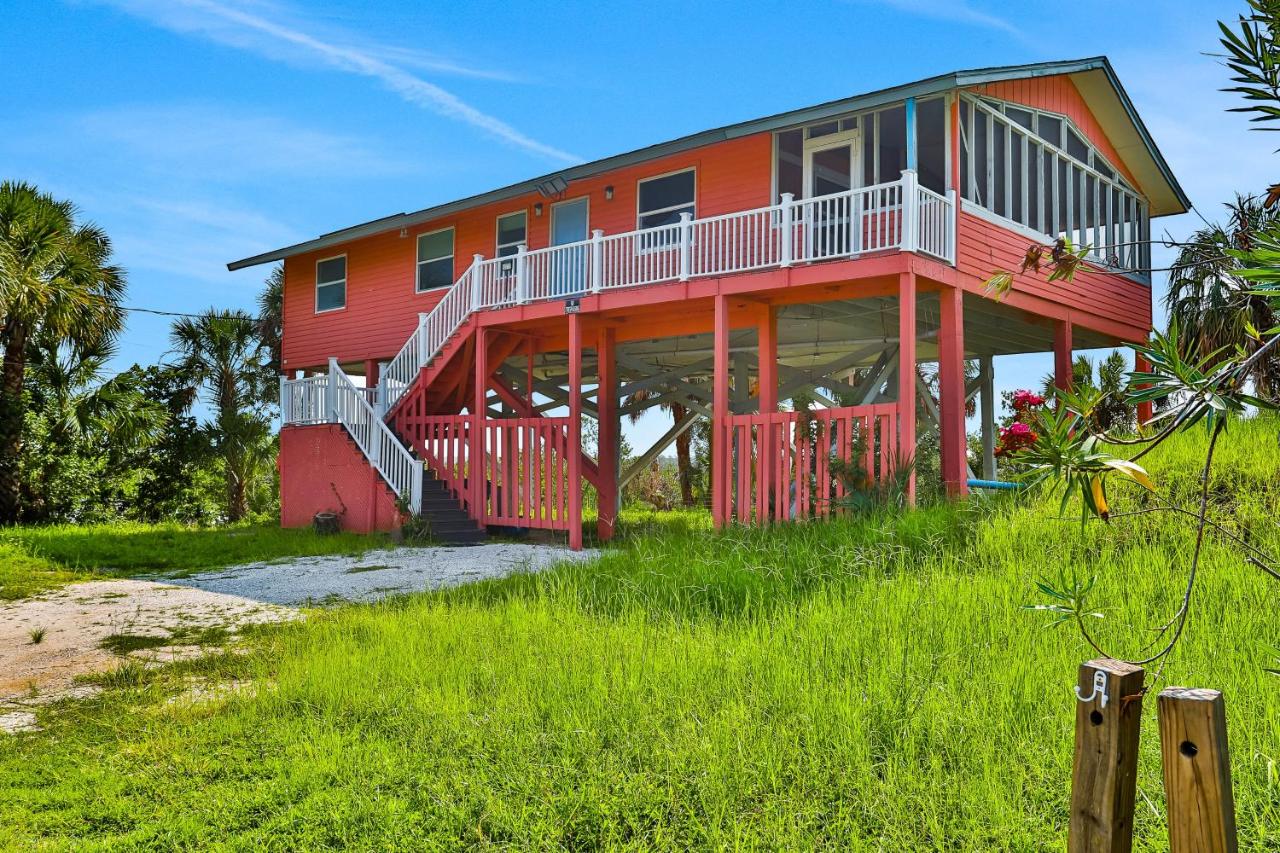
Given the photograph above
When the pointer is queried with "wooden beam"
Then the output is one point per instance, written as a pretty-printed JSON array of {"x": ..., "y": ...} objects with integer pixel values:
[
  {"x": 951, "y": 394},
  {"x": 607, "y": 438},
  {"x": 646, "y": 459},
  {"x": 1104, "y": 773},
  {"x": 907, "y": 370},
  {"x": 720, "y": 408},
  {"x": 478, "y": 475},
  {"x": 575, "y": 432},
  {"x": 986, "y": 378},
  {"x": 1062, "y": 354},
  {"x": 868, "y": 389},
  {"x": 1197, "y": 771}
]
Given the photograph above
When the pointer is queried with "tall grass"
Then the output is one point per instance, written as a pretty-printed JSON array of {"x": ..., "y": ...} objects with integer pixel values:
[
  {"x": 129, "y": 548},
  {"x": 868, "y": 684}
]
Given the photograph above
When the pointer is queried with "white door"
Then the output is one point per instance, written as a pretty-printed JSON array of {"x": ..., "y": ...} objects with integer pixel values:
[
  {"x": 832, "y": 167},
  {"x": 569, "y": 267}
]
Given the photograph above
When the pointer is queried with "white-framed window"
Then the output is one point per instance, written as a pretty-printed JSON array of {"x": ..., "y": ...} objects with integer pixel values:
[
  {"x": 435, "y": 259},
  {"x": 661, "y": 199},
  {"x": 1040, "y": 171},
  {"x": 331, "y": 284},
  {"x": 512, "y": 231}
]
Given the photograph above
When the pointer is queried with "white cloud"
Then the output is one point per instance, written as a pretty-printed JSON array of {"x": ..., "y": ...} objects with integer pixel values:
[
  {"x": 959, "y": 11},
  {"x": 248, "y": 30}
]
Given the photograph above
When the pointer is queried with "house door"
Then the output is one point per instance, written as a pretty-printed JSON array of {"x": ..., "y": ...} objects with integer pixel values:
[
  {"x": 569, "y": 266},
  {"x": 831, "y": 169}
]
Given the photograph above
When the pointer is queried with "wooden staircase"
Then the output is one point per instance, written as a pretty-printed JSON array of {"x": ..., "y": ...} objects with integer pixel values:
[{"x": 445, "y": 518}]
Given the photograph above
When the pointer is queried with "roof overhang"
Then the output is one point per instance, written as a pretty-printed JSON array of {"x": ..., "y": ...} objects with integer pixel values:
[{"x": 1094, "y": 77}]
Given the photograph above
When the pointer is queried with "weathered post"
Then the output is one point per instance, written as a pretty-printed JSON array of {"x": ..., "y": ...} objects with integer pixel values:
[
  {"x": 1104, "y": 774},
  {"x": 1197, "y": 771}
]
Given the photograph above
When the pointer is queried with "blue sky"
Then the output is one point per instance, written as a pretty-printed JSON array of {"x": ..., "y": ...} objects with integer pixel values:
[{"x": 201, "y": 131}]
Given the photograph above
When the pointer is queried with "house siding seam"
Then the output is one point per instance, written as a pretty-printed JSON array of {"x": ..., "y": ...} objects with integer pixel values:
[{"x": 382, "y": 308}]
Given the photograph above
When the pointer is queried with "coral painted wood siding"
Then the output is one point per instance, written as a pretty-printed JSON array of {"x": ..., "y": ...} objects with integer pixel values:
[
  {"x": 1057, "y": 94},
  {"x": 1102, "y": 301},
  {"x": 382, "y": 308}
]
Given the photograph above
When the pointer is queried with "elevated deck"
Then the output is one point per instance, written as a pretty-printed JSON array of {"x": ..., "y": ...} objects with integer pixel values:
[{"x": 849, "y": 290}]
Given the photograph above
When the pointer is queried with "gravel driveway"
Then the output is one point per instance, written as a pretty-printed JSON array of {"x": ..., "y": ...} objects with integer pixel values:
[{"x": 375, "y": 574}]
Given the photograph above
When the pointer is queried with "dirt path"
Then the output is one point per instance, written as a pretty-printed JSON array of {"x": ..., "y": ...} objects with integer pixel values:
[{"x": 92, "y": 627}]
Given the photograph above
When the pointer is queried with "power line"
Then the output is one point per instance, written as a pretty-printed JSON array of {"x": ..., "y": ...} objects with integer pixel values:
[{"x": 160, "y": 312}]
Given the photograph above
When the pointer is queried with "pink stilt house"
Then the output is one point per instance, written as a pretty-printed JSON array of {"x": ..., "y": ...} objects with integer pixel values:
[{"x": 443, "y": 362}]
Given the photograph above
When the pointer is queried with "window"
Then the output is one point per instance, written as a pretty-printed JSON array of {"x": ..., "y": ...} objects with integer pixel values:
[
  {"x": 1053, "y": 181},
  {"x": 663, "y": 199},
  {"x": 511, "y": 233},
  {"x": 331, "y": 284},
  {"x": 790, "y": 163},
  {"x": 931, "y": 144},
  {"x": 891, "y": 144},
  {"x": 435, "y": 259}
]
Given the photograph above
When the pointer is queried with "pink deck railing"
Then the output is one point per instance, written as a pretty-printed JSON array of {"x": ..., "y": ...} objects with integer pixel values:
[
  {"x": 525, "y": 470},
  {"x": 782, "y": 468}
]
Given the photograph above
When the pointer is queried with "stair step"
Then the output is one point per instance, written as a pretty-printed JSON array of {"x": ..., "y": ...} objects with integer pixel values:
[
  {"x": 475, "y": 537},
  {"x": 446, "y": 516}
]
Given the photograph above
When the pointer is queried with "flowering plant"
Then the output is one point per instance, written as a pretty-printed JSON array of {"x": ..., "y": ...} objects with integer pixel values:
[{"x": 1019, "y": 434}]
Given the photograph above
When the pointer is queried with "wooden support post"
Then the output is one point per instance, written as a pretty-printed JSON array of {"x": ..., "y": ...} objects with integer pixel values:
[
  {"x": 1141, "y": 365},
  {"x": 607, "y": 438},
  {"x": 720, "y": 416},
  {"x": 1104, "y": 774},
  {"x": 477, "y": 472},
  {"x": 1197, "y": 771},
  {"x": 907, "y": 372},
  {"x": 1062, "y": 354},
  {"x": 987, "y": 399},
  {"x": 767, "y": 368},
  {"x": 575, "y": 432},
  {"x": 955, "y": 468}
]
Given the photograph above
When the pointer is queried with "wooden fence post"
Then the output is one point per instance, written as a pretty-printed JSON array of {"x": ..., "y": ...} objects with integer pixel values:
[
  {"x": 1197, "y": 771},
  {"x": 1104, "y": 774}
]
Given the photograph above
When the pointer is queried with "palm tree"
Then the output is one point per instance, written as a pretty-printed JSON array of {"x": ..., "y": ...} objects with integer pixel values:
[
  {"x": 86, "y": 414},
  {"x": 56, "y": 282},
  {"x": 684, "y": 442},
  {"x": 220, "y": 353},
  {"x": 271, "y": 315},
  {"x": 1211, "y": 304}
]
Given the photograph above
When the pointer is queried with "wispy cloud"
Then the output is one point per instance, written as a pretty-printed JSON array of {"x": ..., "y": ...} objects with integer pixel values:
[
  {"x": 237, "y": 26},
  {"x": 959, "y": 11},
  {"x": 220, "y": 144}
]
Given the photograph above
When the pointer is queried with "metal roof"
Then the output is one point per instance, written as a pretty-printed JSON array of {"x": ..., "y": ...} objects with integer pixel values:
[{"x": 1107, "y": 96}]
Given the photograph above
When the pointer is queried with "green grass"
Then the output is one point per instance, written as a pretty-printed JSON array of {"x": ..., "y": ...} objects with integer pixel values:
[
  {"x": 867, "y": 684},
  {"x": 23, "y": 574},
  {"x": 46, "y": 557}
]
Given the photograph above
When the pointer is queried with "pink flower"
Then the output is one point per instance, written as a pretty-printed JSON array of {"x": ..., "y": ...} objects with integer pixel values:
[{"x": 1023, "y": 400}]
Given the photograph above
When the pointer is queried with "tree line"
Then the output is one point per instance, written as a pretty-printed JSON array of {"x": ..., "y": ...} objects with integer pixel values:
[{"x": 189, "y": 438}]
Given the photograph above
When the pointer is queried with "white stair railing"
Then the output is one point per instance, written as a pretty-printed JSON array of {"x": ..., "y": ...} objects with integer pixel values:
[
  {"x": 898, "y": 215},
  {"x": 350, "y": 407}
]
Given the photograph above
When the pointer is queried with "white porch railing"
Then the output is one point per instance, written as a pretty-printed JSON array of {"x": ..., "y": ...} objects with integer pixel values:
[
  {"x": 334, "y": 398},
  {"x": 305, "y": 401},
  {"x": 899, "y": 215}
]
